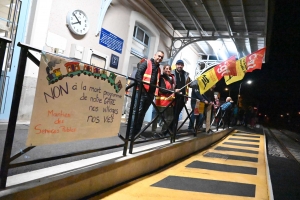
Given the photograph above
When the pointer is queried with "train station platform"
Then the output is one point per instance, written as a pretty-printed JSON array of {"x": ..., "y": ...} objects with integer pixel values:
[
  {"x": 235, "y": 167},
  {"x": 228, "y": 164},
  {"x": 231, "y": 163}
]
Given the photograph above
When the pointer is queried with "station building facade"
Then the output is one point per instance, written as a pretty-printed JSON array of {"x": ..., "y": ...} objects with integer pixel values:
[{"x": 119, "y": 34}]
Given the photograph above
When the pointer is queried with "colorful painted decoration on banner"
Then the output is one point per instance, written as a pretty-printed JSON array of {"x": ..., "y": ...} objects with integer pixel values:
[{"x": 74, "y": 69}]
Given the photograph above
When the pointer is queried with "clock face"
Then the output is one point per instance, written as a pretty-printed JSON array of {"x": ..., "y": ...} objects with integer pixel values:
[{"x": 78, "y": 22}]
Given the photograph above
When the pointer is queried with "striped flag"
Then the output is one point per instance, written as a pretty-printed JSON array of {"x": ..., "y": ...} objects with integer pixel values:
[
  {"x": 246, "y": 64},
  {"x": 212, "y": 76}
]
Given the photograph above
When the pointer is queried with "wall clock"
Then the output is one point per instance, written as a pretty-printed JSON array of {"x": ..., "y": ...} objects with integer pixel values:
[{"x": 78, "y": 22}]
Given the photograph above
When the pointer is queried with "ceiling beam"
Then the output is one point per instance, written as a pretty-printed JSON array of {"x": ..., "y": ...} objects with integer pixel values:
[
  {"x": 192, "y": 16},
  {"x": 266, "y": 20},
  {"x": 245, "y": 22},
  {"x": 201, "y": 2},
  {"x": 224, "y": 36},
  {"x": 174, "y": 15},
  {"x": 199, "y": 45},
  {"x": 229, "y": 28},
  {"x": 244, "y": 16}
]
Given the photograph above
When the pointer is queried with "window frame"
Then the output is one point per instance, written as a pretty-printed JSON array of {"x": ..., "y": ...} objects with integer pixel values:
[{"x": 136, "y": 28}]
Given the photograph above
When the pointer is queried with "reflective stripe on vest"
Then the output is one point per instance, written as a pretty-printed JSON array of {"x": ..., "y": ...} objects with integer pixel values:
[
  {"x": 163, "y": 100},
  {"x": 147, "y": 77}
]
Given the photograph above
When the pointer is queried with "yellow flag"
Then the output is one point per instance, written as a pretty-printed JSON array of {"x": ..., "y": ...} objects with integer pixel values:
[
  {"x": 240, "y": 69},
  {"x": 207, "y": 80}
]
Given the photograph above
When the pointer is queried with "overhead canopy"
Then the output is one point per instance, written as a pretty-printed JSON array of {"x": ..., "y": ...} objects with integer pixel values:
[{"x": 218, "y": 28}]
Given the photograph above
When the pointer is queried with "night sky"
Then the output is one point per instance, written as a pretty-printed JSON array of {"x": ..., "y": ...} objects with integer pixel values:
[{"x": 276, "y": 87}]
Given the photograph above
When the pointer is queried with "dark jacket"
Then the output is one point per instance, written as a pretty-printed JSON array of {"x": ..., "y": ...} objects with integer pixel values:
[
  {"x": 209, "y": 96},
  {"x": 141, "y": 71},
  {"x": 163, "y": 85},
  {"x": 196, "y": 95},
  {"x": 186, "y": 80}
]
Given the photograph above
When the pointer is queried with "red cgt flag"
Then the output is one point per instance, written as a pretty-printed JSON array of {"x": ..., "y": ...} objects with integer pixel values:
[
  {"x": 254, "y": 60},
  {"x": 227, "y": 67}
]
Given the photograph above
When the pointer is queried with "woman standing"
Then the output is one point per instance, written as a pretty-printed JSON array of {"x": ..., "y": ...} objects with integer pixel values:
[{"x": 164, "y": 98}]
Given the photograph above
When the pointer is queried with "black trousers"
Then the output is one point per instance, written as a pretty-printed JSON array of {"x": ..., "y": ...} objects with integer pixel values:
[{"x": 179, "y": 104}]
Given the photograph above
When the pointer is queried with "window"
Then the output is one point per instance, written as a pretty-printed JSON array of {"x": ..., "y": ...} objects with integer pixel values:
[{"x": 140, "y": 35}]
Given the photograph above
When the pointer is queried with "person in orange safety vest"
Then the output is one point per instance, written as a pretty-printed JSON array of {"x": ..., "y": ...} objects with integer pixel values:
[
  {"x": 148, "y": 72},
  {"x": 164, "y": 98}
]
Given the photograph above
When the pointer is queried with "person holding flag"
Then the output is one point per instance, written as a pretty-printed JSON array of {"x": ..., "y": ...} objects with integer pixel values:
[{"x": 182, "y": 80}]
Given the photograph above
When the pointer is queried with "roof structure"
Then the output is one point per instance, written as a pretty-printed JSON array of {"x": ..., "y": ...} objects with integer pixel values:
[{"x": 217, "y": 29}]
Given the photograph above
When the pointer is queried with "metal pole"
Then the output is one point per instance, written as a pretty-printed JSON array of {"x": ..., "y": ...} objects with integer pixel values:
[
  {"x": 239, "y": 94},
  {"x": 3, "y": 42},
  {"x": 10, "y": 133}
]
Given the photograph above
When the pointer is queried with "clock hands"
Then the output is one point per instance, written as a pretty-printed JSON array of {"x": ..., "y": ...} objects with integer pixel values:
[
  {"x": 76, "y": 19},
  {"x": 77, "y": 22}
]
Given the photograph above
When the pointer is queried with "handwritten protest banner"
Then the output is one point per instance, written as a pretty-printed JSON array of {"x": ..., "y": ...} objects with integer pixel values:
[{"x": 74, "y": 101}]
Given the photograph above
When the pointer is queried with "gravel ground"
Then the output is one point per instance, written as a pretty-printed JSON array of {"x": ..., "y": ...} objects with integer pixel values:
[{"x": 273, "y": 147}]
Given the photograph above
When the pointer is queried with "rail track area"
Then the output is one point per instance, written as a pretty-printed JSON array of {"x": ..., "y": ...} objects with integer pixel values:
[
  {"x": 233, "y": 168},
  {"x": 284, "y": 163}
]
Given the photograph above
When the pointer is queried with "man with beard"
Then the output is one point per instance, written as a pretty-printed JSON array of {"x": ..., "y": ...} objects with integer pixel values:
[
  {"x": 148, "y": 72},
  {"x": 181, "y": 79}
]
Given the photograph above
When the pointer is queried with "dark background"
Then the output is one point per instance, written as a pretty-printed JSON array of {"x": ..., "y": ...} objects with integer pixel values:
[{"x": 275, "y": 89}]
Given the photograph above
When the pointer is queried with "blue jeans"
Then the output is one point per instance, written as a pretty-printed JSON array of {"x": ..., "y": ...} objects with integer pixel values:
[{"x": 145, "y": 103}]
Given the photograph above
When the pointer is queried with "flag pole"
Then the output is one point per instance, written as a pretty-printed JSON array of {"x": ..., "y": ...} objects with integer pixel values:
[
  {"x": 182, "y": 88},
  {"x": 187, "y": 84}
]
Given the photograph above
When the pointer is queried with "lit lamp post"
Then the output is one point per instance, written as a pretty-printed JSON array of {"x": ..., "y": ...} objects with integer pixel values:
[
  {"x": 227, "y": 89},
  {"x": 248, "y": 82}
]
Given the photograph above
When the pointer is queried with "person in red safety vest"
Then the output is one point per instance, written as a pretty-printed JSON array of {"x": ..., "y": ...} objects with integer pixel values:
[
  {"x": 149, "y": 72},
  {"x": 164, "y": 98}
]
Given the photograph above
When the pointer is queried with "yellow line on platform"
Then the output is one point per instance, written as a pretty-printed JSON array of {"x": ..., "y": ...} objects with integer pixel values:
[{"x": 142, "y": 189}]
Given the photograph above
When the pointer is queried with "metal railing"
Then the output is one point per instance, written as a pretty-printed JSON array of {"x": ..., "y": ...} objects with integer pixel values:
[{"x": 7, "y": 159}]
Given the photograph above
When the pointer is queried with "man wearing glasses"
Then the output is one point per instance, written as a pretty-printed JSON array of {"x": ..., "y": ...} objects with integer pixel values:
[{"x": 149, "y": 72}]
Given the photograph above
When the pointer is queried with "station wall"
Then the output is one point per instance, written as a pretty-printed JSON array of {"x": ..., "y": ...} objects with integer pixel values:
[{"x": 48, "y": 18}]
